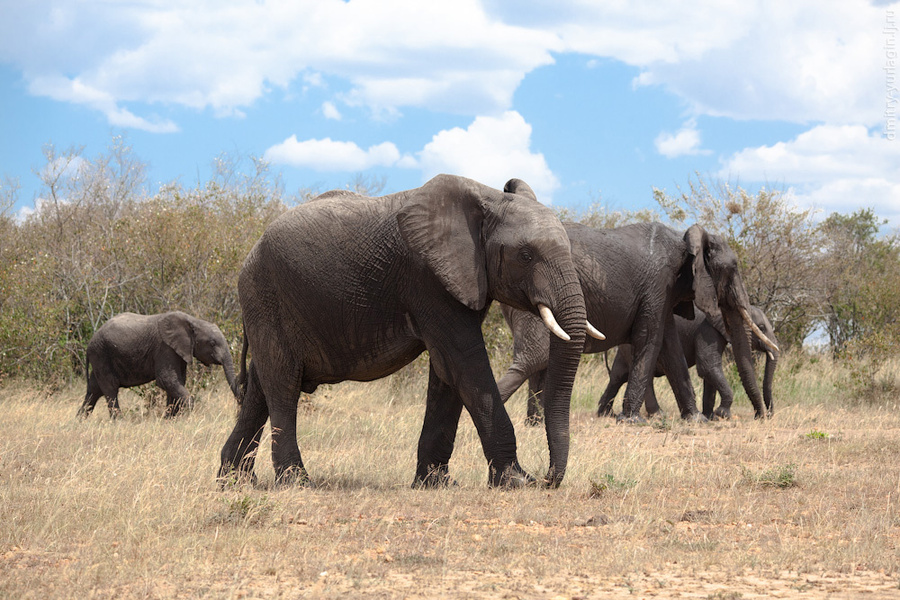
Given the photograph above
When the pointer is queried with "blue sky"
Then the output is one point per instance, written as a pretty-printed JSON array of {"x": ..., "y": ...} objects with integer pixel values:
[{"x": 581, "y": 99}]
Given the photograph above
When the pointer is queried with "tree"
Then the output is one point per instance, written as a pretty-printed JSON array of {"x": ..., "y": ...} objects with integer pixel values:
[
  {"x": 776, "y": 242},
  {"x": 861, "y": 304}
]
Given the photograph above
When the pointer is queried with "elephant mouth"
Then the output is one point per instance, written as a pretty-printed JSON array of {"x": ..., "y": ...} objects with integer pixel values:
[
  {"x": 773, "y": 348},
  {"x": 551, "y": 324}
]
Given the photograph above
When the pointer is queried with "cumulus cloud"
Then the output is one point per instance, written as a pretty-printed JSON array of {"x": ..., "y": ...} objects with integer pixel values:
[
  {"x": 330, "y": 155},
  {"x": 330, "y": 111},
  {"x": 830, "y": 167},
  {"x": 801, "y": 61},
  {"x": 684, "y": 142},
  {"x": 491, "y": 150}
]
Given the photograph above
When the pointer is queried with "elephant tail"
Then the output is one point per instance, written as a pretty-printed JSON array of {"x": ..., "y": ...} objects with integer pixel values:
[{"x": 241, "y": 383}]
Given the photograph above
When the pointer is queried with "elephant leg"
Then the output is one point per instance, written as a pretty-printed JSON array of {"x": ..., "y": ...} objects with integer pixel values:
[
  {"x": 710, "y": 347},
  {"x": 239, "y": 452},
  {"x": 511, "y": 381},
  {"x": 709, "y": 399},
  {"x": 645, "y": 350},
  {"x": 172, "y": 380},
  {"x": 650, "y": 401},
  {"x": 716, "y": 382},
  {"x": 461, "y": 361},
  {"x": 442, "y": 411},
  {"x": 91, "y": 396},
  {"x": 675, "y": 367},
  {"x": 535, "y": 415},
  {"x": 618, "y": 376}
]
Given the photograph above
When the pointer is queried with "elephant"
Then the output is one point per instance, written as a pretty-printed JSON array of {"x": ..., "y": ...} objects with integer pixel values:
[
  {"x": 635, "y": 279},
  {"x": 132, "y": 349},
  {"x": 703, "y": 342},
  {"x": 348, "y": 287}
]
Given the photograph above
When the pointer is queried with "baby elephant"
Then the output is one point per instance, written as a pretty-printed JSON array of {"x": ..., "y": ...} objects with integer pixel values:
[{"x": 131, "y": 349}]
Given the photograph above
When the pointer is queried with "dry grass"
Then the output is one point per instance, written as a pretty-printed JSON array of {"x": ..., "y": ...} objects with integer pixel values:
[{"x": 803, "y": 505}]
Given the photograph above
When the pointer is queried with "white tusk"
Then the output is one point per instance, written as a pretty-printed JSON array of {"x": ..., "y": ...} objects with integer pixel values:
[
  {"x": 594, "y": 332},
  {"x": 550, "y": 322},
  {"x": 756, "y": 330},
  {"x": 771, "y": 356}
]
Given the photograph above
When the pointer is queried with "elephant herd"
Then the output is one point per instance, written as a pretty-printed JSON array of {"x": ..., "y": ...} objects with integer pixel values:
[{"x": 348, "y": 287}]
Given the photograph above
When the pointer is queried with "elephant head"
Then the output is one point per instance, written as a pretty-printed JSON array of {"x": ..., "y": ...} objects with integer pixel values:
[
  {"x": 194, "y": 338},
  {"x": 485, "y": 245},
  {"x": 720, "y": 293}
]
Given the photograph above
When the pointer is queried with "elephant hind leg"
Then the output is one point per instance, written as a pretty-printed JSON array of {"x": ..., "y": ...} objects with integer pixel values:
[
  {"x": 239, "y": 452},
  {"x": 90, "y": 397},
  {"x": 442, "y": 411},
  {"x": 535, "y": 414}
]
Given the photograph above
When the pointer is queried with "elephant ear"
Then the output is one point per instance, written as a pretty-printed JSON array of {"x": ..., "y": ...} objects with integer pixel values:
[
  {"x": 697, "y": 240},
  {"x": 176, "y": 332},
  {"x": 519, "y": 187},
  {"x": 442, "y": 225}
]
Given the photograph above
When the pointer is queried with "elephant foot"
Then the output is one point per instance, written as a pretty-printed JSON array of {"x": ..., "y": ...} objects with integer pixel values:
[
  {"x": 722, "y": 413},
  {"x": 534, "y": 420},
  {"x": 605, "y": 410},
  {"x": 434, "y": 477},
  {"x": 114, "y": 414},
  {"x": 232, "y": 478},
  {"x": 694, "y": 417},
  {"x": 513, "y": 476},
  {"x": 634, "y": 419},
  {"x": 82, "y": 413},
  {"x": 293, "y": 476}
]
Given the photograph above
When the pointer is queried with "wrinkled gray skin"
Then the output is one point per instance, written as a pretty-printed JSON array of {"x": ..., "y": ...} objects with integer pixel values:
[
  {"x": 703, "y": 342},
  {"x": 132, "y": 349},
  {"x": 635, "y": 279},
  {"x": 347, "y": 287}
]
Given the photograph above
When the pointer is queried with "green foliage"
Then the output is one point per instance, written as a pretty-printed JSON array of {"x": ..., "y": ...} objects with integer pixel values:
[
  {"x": 782, "y": 477},
  {"x": 862, "y": 297},
  {"x": 608, "y": 483},
  {"x": 815, "y": 434},
  {"x": 97, "y": 245}
]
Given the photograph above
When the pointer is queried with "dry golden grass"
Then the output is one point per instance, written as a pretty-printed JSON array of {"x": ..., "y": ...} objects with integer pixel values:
[{"x": 804, "y": 505}]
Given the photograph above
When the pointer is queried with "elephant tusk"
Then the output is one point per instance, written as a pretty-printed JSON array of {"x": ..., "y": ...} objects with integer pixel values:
[
  {"x": 771, "y": 356},
  {"x": 550, "y": 322},
  {"x": 756, "y": 330},
  {"x": 594, "y": 332}
]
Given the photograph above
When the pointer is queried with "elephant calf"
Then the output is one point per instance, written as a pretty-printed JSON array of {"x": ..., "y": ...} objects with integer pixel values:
[
  {"x": 703, "y": 341},
  {"x": 132, "y": 349}
]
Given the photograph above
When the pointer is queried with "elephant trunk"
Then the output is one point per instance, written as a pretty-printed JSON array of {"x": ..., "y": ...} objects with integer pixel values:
[
  {"x": 228, "y": 367},
  {"x": 563, "y": 364},
  {"x": 743, "y": 358},
  {"x": 768, "y": 378}
]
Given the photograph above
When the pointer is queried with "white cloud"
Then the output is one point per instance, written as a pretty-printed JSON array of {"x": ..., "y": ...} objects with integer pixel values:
[
  {"x": 829, "y": 167},
  {"x": 684, "y": 142},
  {"x": 491, "y": 150},
  {"x": 330, "y": 111},
  {"x": 329, "y": 155},
  {"x": 803, "y": 61}
]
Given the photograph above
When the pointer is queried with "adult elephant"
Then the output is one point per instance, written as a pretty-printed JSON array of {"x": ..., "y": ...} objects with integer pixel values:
[
  {"x": 131, "y": 349},
  {"x": 635, "y": 280},
  {"x": 352, "y": 287},
  {"x": 703, "y": 340}
]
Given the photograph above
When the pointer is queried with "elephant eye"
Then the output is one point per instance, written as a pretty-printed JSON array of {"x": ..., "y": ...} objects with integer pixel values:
[{"x": 525, "y": 255}]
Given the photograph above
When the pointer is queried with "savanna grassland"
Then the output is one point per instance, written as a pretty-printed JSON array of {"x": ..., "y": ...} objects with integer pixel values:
[{"x": 804, "y": 505}]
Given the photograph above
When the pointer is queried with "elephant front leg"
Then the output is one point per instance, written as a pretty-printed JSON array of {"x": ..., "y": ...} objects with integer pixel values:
[
  {"x": 675, "y": 367},
  {"x": 442, "y": 412}
]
